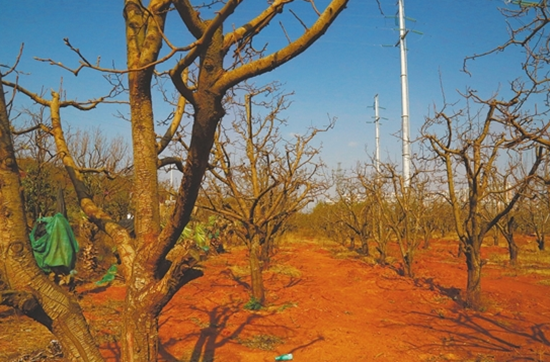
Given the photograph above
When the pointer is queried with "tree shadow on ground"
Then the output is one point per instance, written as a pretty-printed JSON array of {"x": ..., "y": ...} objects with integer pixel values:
[
  {"x": 214, "y": 333},
  {"x": 229, "y": 273},
  {"x": 305, "y": 345},
  {"x": 470, "y": 332},
  {"x": 114, "y": 350},
  {"x": 95, "y": 290},
  {"x": 450, "y": 292}
]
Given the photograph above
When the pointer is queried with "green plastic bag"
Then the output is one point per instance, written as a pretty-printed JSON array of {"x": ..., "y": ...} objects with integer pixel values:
[{"x": 57, "y": 247}]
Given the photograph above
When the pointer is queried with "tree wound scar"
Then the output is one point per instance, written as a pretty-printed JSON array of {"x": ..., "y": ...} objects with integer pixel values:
[{"x": 16, "y": 248}]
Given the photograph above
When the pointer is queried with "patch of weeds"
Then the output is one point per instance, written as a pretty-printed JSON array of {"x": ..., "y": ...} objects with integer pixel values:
[
  {"x": 369, "y": 259},
  {"x": 217, "y": 261},
  {"x": 438, "y": 299},
  {"x": 544, "y": 282},
  {"x": 543, "y": 272},
  {"x": 499, "y": 259},
  {"x": 285, "y": 270},
  {"x": 198, "y": 322},
  {"x": 511, "y": 273},
  {"x": 439, "y": 312},
  {"x": 189, "y": 357},
  {"x": 265, "y": 342},
  {"x": 52, "y": 351},
  {"x": 289, "y": 239},
  {"x": 253, "y": 304},
  {"x": 345, "y": 254},
  {"x": 239, "y": 271},
  {"x": 536, "y": 257},
  {"x": 483, "y": 358},
  {"x": 286, "y": 306}
]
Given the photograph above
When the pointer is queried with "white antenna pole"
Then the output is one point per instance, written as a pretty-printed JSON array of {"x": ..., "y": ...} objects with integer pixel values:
[
  {"x": 376, "y": 122},
  {"x": 404, "y": 95}
]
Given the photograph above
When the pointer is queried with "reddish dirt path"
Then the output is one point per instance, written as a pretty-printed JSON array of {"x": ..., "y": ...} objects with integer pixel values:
[{"x": 345, "y": 310}]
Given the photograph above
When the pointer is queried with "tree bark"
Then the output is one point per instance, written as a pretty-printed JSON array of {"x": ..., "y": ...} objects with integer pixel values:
[
  {"x": 382, "y": 254},
  {"x": 540, "y": 243},
  {"x": 365, "y": 245},
  {"x": 509, "y": 236},
  {"x": 407, "y": 265},
  {"x": 512, "y": 249},
  {"x": 140, "y": 328},
  {"x": 257, "y": 282},
  {"x": 495, "y": 239},
  {"x": 473, "y": 286},
  {"x": 47, "y": 303},
  {"x": 352, "y": 242}
]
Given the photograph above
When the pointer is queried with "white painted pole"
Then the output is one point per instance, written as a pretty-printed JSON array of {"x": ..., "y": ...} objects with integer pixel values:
[{"x": 404, "y": 95}]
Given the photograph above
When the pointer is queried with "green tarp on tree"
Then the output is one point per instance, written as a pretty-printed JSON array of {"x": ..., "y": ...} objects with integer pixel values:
[{"x": 53, "y": 243}]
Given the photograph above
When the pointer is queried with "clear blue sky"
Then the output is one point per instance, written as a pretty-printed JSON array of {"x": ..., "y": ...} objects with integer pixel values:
[{"x": 338, "y": 76}]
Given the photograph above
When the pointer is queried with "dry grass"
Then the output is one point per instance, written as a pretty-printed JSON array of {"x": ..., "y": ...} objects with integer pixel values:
[
  {"x": 529, "y": 262},
  {"x": 240, "y": 271},
  {"x": 339, "y": 251},
  {"x": 287, "y": 270},
  {"x": 265, "y": 342}
]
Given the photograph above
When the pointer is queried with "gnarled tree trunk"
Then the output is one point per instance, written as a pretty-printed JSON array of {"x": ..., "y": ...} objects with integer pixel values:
[
  {"x": 257, "y": 283},
  {"x": 473, "y": 263},
  {"x": 540, "y": 242},
  {"x": 37, "y": 296}
]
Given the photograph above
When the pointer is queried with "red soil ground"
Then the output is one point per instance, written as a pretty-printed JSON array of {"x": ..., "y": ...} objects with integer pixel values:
[{"x": 322, "y": 307}]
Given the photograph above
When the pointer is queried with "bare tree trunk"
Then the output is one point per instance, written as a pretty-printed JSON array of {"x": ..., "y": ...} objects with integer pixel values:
[
  {"x": 509, "y": 236},
  {"x": 140, "y": 330},
  {"x": 382, "y": 242},
  {"x": 512, "y": 249},
  {"x": 43, "y": 301},
  {"x": 407, "y": 265},
  {"x": 257, "y": 282},
  {"x": 365, "y": 246},
  {"x": 352, "y": 242},
  {"x": 473, "y": 287},
  {"x": 382, "y": 254},
  {"x": 540, "y": 243},
  {"x": 495, "y": 237},
  {"x": 266, "y": 251},
  {"x": 427, "y": 237}
]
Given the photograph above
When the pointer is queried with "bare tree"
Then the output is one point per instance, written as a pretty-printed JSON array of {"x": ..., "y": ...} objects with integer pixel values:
[
  {"x": 320, "y": 222},
  {"x": 40, "y": 168},
  {"x": 221, "y": 57},
  {"x": 28, "y": 288},
  {"x": 498, "y": 199},
  {"x": 534, "y": 211},
  {"x": 471, "y": 146},
  {"x": 258, "y": 180},
  {"x": 402, "y": 209},
  {"x": 106, "y": 168},
  {"x": 353, "y": 206}
]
